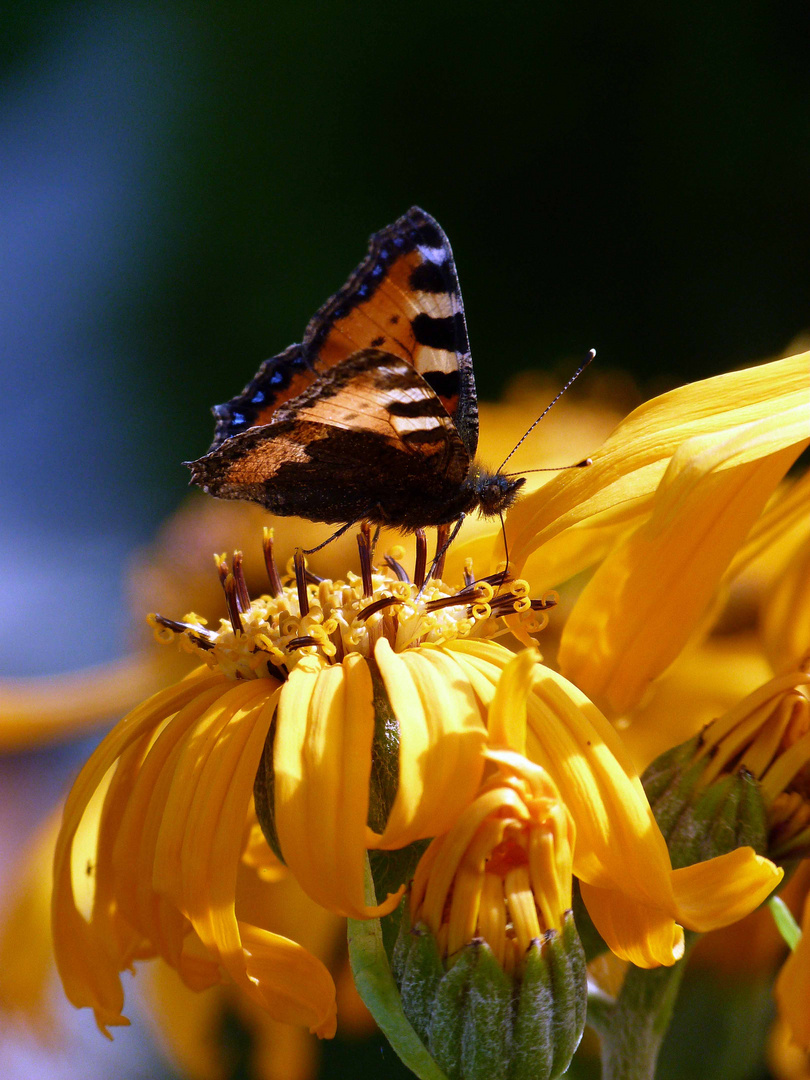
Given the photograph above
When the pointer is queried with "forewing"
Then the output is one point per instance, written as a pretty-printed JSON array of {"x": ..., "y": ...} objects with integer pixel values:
[{"x": 403, "y": 298}]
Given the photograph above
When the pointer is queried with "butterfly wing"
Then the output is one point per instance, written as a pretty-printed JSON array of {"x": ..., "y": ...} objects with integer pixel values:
[
  {"x": 403, "y": 298},
  {"x": 355, "y": 444}
]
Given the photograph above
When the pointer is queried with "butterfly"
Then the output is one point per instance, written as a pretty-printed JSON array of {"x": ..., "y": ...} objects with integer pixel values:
[{"x": 374, "y": 416}]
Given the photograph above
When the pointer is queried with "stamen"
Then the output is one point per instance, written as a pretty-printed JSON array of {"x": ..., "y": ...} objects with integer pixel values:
[
  {"x": 363, "y": 541},
  {"x": 222, "y": 568},
  {"x": 232, "y": 601},
  {"x": 299, "y": 563},
  {"x": 276, "y": 589},
  {"x": 442, "y": 533},
  {"x": 302, "y": 642},
  {"x": 389, "y": 629},
  {"x": 461, "y": 598},
  {"x": 202, "y": 638},
  {"x": 337, "y": 640},
  {"x": 469, "y": 577},
  {"x": 398, "y": 568},
  {"x": 269, "y": 636},
  {"x": 378, "y": 605},
  {"x": 242, "y": 594},
  {"x": 421, "y": 559}
]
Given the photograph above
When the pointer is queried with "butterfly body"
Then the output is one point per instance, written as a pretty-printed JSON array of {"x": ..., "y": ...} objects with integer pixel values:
[{"x": 374, "y": 415}]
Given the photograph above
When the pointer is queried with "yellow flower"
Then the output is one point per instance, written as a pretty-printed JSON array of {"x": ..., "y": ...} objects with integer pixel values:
[
  {"x": 174, "y": 575},
  {"x": 180, "y": 771},
  {"x": 636, "y": 900},
  {"x": 503, "y": 871}
]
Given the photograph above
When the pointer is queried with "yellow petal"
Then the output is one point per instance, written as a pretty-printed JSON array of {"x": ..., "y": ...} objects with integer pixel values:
[
  {"x": 507, "y": 713},
  {"x": 634, "y": 931},
  {"x": 786, "y": 610},
  {"x": 89, "y": 975},
  {"x": 701, "y": 685},
  {"x": 643, "y": 603},
  {"x": 442, "y": 738},
  {"x": 792, "y": 988},
  {"x": 627, "y": 469},
  {"x": 722, "y": 890},
  {"x": 618, "y": 844},
  {"x": 322, "y": 758}
]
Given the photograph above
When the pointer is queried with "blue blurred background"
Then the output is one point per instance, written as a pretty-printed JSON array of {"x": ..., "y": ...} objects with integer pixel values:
[{"x": 183, "y": 184}]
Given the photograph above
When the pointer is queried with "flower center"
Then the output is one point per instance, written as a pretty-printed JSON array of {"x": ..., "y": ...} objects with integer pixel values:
[{"x": 319, "y": 621}]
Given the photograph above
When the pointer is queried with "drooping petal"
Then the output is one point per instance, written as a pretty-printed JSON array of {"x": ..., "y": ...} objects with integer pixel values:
[
  {"x": 322, "y": 763},
  {"x": 89, "y": 975},
  {"x": 442, "y": 737},
  {"x": 618, "y": 841},
  {"x": 722, "y": 890},
  {"x": 643, "y": 603},
  {"x": 645, "y": 935}
]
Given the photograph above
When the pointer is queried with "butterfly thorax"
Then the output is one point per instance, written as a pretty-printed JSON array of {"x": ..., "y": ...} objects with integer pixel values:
[{"x": 487, "y": 492}]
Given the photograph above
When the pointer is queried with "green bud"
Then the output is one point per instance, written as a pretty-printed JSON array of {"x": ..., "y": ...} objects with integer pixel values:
[
  {"x": 701, "y": 821},
  {"x": 480, "y": 1023}
]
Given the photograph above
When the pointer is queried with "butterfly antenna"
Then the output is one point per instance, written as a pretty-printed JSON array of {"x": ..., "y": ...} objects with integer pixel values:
[
  {"x": 505, "y": 547},
  {"x": 548, "y": 408}
]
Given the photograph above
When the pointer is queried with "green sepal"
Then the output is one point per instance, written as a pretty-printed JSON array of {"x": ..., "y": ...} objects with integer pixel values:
[
  {"x": 591, "y": 940},
  {"x": 421, "y": 974},
  {"x": 264, "y": 786},
  {"x": 470, "y": 1031},
  {"x": 550, "y": 1007},
  {"x": 659, "y": 774}
]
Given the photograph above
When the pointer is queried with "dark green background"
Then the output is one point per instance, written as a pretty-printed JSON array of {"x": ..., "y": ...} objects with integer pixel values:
[
  {"x": 625, "y": 176},
  {"x": 185, "y": 183}
]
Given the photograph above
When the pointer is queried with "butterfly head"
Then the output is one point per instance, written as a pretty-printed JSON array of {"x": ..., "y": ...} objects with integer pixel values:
[{"x": 495, "y": 491}]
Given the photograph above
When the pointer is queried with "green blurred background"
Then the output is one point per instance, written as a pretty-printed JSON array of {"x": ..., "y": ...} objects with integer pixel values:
[{"x": 183, "y": 184}]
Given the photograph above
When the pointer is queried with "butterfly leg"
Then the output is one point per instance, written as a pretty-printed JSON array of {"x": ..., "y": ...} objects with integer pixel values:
[
  {"x": 329, "y": 539},
  {"x": 442, "y": 551},
  {"x": 374, "y": 540}
]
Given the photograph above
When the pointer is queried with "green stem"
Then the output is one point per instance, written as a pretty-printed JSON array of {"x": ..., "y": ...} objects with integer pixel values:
[{"x": 633, "y": 1027}]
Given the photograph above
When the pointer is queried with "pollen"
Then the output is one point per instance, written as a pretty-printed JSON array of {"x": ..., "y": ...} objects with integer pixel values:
[{"x": 315, "y": 622}]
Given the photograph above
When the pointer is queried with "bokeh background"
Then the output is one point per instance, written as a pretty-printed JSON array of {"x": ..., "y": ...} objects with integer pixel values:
[{"x": 183, "y": 184}]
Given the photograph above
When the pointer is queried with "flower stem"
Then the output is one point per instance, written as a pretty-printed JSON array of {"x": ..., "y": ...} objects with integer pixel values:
[{"x": 633, "y": 1026}]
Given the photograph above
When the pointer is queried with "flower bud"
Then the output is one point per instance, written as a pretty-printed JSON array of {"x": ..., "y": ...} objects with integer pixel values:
[
  {"x": 742, "y": 781},
  {"x": 489, "y": 964}
]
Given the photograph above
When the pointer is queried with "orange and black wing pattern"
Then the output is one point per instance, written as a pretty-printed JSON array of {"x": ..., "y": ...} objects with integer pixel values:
[
  {"x": 403, "y": 299},
  {"x": 369, "y": 439}
]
